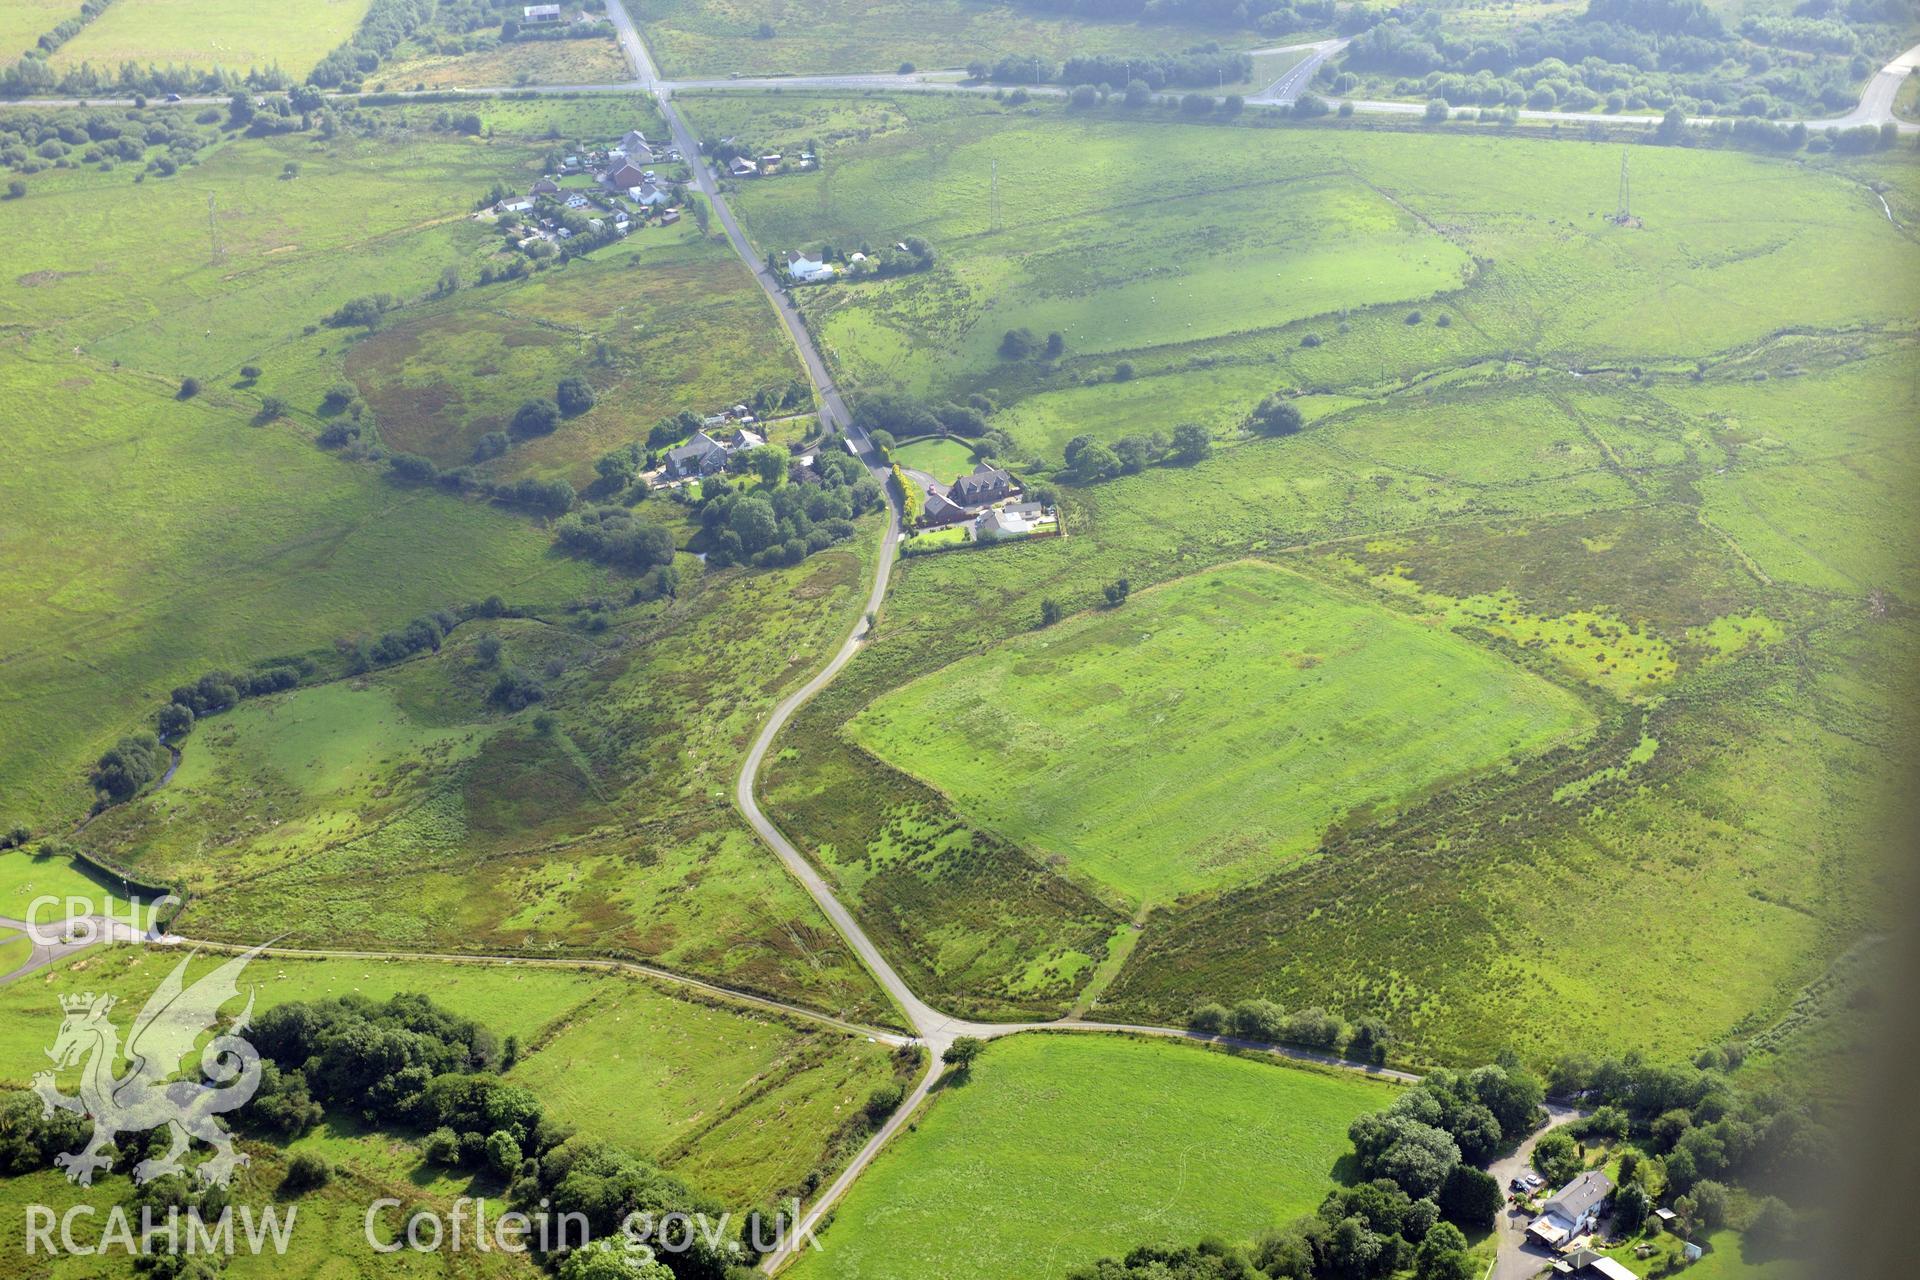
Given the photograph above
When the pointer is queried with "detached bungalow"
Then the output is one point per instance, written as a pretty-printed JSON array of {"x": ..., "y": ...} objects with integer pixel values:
[
  {"x": 513, "y": 204},
  {"x": 1573, "y": 1211},
  {"x": 649, "y": 195},
  {"x": 545, "y": 187},
  {"x": 540, "y": 13},
  {"x": 741, "y": 167}
]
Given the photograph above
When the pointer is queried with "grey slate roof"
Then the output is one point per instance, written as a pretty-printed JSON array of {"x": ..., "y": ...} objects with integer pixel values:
[{"x": 1578, "y": 1198}]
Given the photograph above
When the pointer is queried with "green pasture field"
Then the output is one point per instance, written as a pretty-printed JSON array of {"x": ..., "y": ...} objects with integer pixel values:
[
  {"x": 509, "y": 1001},
  {"x": 741, "y": 1103},
  {"x": 407, "y": 810},
  {"x": 23, "y": 22},
  {"x": 1059, "y": 1149},
  {"x": 15, "y": 949},
  {"x": 328, "y": 1232},
  {"x": 942, "y": 459},
  {"x": 513, "y": 62},
  {"x": 234, "y": 34},
  {"x": 1211, "y": 730},
  {"x": 26, "y": 875},
  {"x": 1816, "y": 471},
  {"x": 708, "y": 38},
  {"x": 1217, "y": 398}
]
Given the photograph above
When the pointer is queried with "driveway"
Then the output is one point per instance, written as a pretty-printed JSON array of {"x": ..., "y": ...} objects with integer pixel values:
[{"x": 1517, "y": 1260}]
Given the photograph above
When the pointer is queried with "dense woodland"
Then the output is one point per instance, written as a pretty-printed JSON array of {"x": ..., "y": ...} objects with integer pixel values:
[{"x": 1635, "y": 55}]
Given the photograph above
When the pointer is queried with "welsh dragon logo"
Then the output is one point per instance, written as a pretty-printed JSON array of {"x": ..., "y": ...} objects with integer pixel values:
[{"x": 145, "y": 1097}]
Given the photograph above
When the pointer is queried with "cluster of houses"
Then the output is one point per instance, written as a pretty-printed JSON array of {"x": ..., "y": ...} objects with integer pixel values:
[
  {"x": 721, "y": 435},
  {"x": 985, "y": 504},
  {"x": 627, "y": 188}
]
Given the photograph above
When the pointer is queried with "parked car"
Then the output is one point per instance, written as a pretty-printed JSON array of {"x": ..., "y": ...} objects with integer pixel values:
[{"x": 173, "y": 97}]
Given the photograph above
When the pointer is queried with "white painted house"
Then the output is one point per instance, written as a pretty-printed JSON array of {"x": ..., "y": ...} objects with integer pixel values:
[
  {"x": 802, "y": 265},
  {"x": 1573, "y": 1211}
]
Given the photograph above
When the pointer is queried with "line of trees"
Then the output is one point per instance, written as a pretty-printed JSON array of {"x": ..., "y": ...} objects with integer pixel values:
[
  {"x": 1201, "y": 68},
  {"x": 1366, "y": 1040},
  {"x": 1621, "y": 55},
  {"x": 388, "y": 23},
  {"x": 1270, "y": 17}
]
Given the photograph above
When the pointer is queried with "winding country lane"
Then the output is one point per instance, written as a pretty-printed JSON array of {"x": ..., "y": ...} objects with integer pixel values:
[{"x": 933, "y": 1028}]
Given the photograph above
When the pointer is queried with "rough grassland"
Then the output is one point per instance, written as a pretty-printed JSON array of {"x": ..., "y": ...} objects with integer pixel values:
[
  {"x": 511, "y": 63},
  {"x": 1210, "y": 730},
  {"x": 172, "y": 536},
  {"x": 691, "y": 38},
  {"x": 139, "y": 559},
  {"x": 1664, "y": 464},
  {"x": 235, "y": 34},
  {"x": 407, "y": 810},
  {"x": 621, "y": 320},
  {"x": 1060, "y": 1149}
]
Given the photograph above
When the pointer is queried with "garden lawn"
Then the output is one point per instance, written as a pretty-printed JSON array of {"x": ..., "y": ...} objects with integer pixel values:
[
  {"x": 944, "y": 460},
  {"x": 234, "y": 34},
  {"x": 1063, "y": 1148},
  {"x": 1212, "y": 729}
]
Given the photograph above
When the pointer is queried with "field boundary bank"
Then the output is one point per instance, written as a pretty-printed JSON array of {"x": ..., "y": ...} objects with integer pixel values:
[{"x": 605, "y": 964}]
